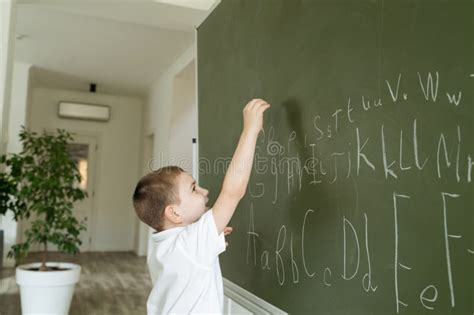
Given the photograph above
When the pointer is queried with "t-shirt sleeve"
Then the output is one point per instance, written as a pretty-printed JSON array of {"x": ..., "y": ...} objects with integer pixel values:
[{"x": 200, "y": 240}]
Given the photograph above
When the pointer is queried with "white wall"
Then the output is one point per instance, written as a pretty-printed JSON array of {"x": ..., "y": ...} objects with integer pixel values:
[
  {"x": 159, "y": 107},
  {"x": 118, "y": 159},
  {"x": 7, "y": 27},
  {"x": 142, "y": 232},
  {"x": 184, "y": 123},
  {"x": 20, "y": 85}
]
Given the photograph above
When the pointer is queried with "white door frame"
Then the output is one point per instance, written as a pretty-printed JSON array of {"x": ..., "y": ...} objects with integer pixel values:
[
  {"x": 95, "y": 179},
  {"x": 92, "y": 140}
]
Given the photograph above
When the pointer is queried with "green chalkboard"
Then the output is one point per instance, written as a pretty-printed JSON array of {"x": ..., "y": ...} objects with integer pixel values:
[{"x": 361, "y": 197}]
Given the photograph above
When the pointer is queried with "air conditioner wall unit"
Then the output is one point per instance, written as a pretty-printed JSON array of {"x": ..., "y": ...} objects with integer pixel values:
[{"x": 72, "y": 110}]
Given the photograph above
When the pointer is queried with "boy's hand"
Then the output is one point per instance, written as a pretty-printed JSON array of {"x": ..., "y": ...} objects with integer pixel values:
[
  {"x": 253, "y": 115},
  {"x": 227, "y": 231}
]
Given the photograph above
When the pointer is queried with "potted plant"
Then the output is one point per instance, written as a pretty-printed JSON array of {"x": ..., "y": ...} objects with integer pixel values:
[{"x": 41, "y": 184}]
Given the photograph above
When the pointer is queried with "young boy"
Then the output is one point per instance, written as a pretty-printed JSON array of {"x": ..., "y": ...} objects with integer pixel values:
[{"x": 190, "y": 237}]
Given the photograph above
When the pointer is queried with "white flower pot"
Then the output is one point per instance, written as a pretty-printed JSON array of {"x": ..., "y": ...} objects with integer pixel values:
[{"x": 47, "y": 292}]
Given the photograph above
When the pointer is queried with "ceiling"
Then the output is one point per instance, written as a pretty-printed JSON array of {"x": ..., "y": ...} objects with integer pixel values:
[{"x": 122, "y": 46}]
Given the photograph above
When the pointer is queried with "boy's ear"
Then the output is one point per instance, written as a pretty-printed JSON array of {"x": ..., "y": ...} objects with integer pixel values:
[{"x": 171, "y": 213}]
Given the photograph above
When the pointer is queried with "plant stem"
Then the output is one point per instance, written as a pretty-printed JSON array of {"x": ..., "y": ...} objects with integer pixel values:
[{"x": 45, "y": 253}]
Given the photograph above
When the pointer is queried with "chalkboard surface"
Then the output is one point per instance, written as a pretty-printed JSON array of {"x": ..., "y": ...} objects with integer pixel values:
[{"x": 361, "y": 197}]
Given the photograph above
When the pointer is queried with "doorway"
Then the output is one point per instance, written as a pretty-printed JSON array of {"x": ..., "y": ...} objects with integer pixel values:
[{"x": 83, "y": 150}]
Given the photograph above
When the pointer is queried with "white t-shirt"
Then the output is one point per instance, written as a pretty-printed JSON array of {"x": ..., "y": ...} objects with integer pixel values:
[{"x": 188, "y": 275}]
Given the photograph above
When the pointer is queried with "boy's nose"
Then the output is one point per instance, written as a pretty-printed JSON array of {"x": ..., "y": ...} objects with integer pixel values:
[{"x": 203, "y": 191}]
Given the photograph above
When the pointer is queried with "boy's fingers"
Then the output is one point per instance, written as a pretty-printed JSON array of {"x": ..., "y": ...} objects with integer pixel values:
[
  {"x": 263, "y": 103},
  {"x": 266, "y": 106},
  {"x": 255, "y": 105},
  {"x": 255, "y": 101},
  {"x": 258, "y": 107}
]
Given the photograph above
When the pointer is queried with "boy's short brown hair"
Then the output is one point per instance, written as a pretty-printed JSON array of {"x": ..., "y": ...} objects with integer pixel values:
[{"x": 154, "y": 192}]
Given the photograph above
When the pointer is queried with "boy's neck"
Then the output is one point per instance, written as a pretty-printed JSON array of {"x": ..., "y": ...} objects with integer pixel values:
[{"x": 170, "y": 225}]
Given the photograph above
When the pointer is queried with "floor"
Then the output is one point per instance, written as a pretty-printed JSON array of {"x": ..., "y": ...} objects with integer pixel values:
[{"x": 111, "y": 283}]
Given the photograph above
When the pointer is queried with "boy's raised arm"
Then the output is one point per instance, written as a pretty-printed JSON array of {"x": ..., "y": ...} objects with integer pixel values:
[{"x": 238, "y": 173}]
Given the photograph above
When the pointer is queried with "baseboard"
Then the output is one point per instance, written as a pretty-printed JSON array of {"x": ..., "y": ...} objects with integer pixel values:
[
  {"x": 8, "y": 262},
  {"x": 249, "y": 300},
  {"x": 105, "y": 247}
]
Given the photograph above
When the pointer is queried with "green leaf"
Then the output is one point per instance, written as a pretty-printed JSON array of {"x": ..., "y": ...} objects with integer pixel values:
[{"x": 41, "y": 183}]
